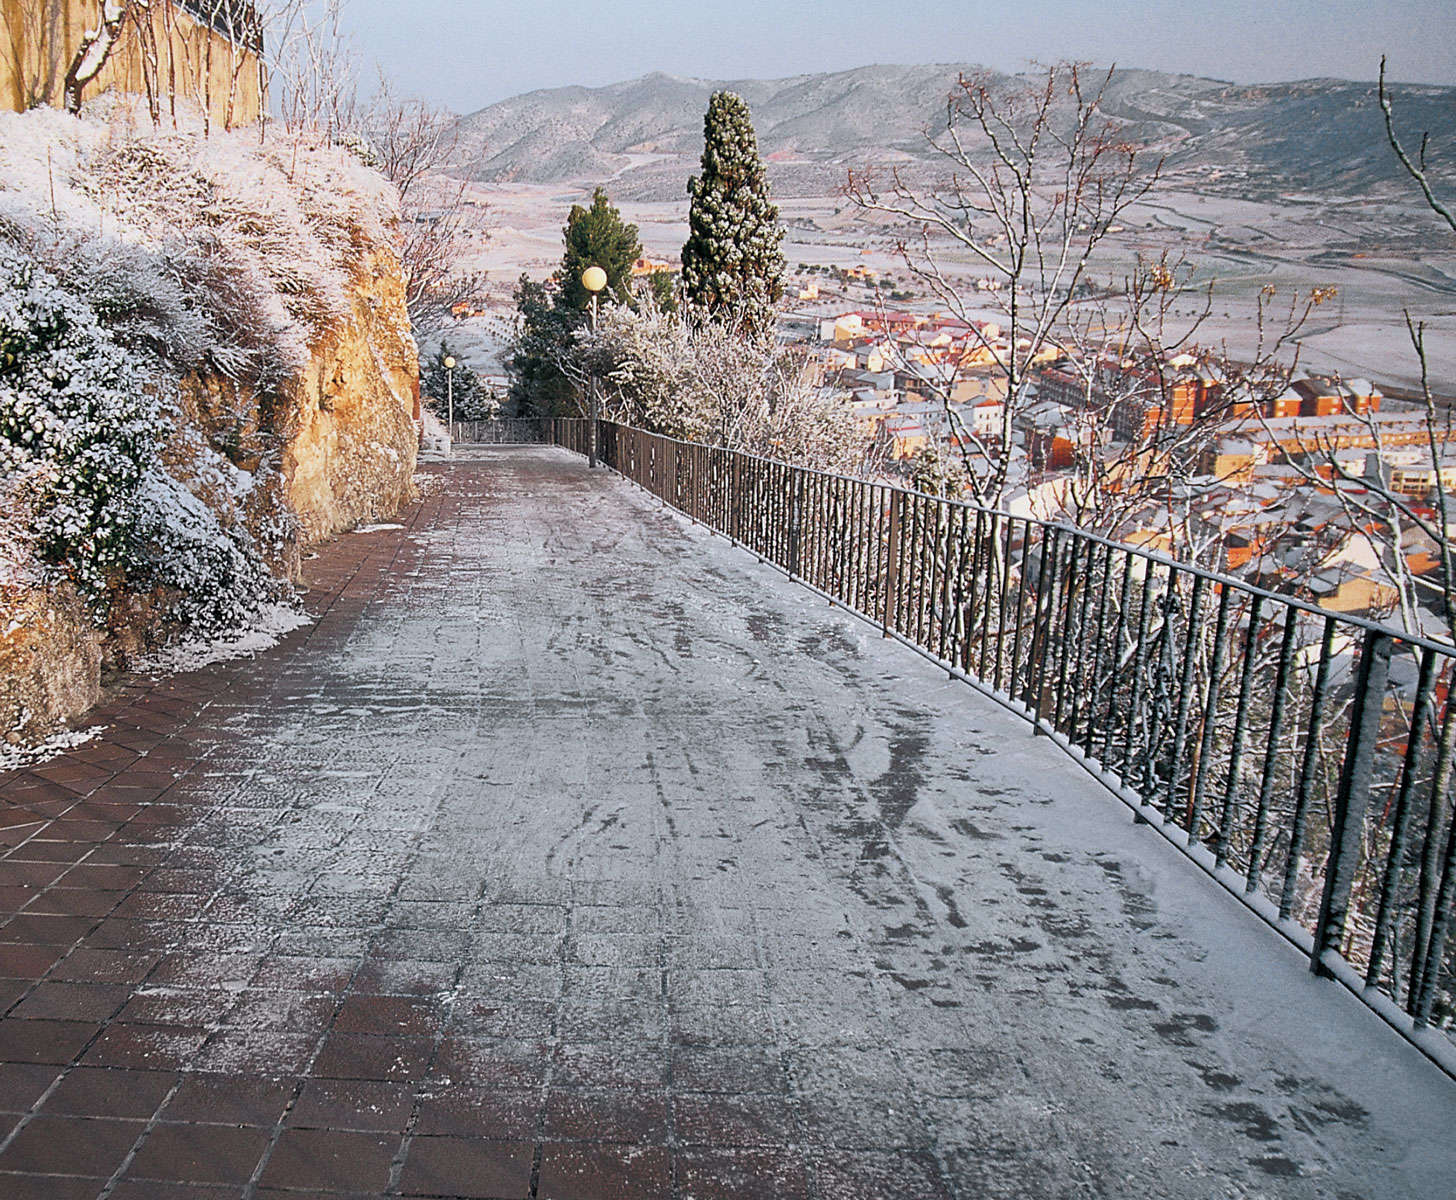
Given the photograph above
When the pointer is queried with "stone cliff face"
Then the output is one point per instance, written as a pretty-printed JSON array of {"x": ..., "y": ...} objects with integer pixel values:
[
  {"x": 335, "y": 447},
  {"x": 348, "y": 423},
  {"x": 50, "y": 662}
]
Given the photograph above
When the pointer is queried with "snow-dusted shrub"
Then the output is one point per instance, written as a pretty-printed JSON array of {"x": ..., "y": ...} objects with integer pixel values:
[
  {"x": 225, "y": 253},
  {"x": 714, "y": 382},
  {"x": 209, "y": 578},
  {"x": 81, "y": 434},
  {"x": 77, "y": 430}
]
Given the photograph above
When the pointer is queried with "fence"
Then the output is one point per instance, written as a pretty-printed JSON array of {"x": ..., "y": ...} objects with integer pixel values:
[
  {"x": 1304, "y": 758},
  {"x": 498, "y": 431}
]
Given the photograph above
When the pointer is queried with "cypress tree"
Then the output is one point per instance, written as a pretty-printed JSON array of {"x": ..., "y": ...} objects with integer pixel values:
[{"x": 732, "y": 263}]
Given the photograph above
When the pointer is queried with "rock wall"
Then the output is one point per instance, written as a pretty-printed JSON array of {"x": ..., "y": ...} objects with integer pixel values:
[
  {"x": 348, "y": 425},
  {"x": 50, "y": 663}
]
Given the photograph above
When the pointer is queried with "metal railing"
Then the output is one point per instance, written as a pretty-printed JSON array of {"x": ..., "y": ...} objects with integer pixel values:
[
  {"x": 498, "y": 431},
  {"x": 1302, "y": 757}
]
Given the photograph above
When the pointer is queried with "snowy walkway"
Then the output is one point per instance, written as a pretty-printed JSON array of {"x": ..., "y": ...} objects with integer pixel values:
[{"x": 573, "y": 854}]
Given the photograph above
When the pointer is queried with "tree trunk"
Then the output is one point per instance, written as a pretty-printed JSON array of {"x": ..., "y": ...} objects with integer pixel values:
[{"x": 95, "y": 48}]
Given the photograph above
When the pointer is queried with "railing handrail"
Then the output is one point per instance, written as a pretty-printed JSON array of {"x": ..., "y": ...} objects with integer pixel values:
[{"x": 1417, "y": 640}]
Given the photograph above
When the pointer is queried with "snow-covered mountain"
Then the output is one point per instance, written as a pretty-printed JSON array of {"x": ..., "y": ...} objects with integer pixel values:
[{"x": 1310, "y": 134}]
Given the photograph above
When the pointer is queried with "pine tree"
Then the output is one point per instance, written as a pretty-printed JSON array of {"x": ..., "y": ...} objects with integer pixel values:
[
  {"x": 539, "y": 388},
  {"x": 598, "y": 237},
  {"x": 473, "y": 399},
  {"x": 732, "y": 263}
]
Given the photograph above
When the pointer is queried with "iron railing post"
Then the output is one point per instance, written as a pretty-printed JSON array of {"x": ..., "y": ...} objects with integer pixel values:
[
  {"x": 1353, "y": 797},
  {"x": 892, "y": 570}
]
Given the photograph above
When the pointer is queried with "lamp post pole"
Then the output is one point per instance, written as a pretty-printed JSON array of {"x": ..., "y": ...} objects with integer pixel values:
[
  {"x": 450, "y": 399},
  {"x": 594, "y": 279}
]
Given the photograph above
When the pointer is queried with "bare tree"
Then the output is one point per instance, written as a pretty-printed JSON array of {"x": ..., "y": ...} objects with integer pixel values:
[
  {"x": 1385, "y": 515},
  {"x": 415, "y": 145},
  {"x": 313, "y": 70},
  {"x": 1039, "y": 176},
  {"x": 1154, "y": 400},
  {"x": 31, "y": 41}
]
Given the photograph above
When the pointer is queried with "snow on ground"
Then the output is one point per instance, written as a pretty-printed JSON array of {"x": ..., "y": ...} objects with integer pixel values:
[
  {"x": 1383, "y": 257},
  {"x": 262, "y": 633},
  {"x": 12, "y": 757}
]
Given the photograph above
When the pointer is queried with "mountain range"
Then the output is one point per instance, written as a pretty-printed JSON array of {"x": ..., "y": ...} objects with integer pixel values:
[{"x": 646, "y": 134}]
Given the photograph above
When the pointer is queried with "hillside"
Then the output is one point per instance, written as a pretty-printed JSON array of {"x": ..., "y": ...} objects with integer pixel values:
[{"x": 1253, "y": 140}]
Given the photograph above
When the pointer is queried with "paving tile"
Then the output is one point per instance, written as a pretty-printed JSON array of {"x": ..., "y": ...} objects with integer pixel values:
[
  {"x": 306, "y": 973},
  {"x": 71, "y": 1146},
  {"x": 636, "y": 1116},
  {"x": 492, "y": 1063},
  {"x": 60, "y": 1001},
  {"x": 393, "y": 1015},
  {"x": 256, "y": 1051},
  {"x": 736, "y": 1069},
  {"x": 144, "y": 1047},
  {"x": 321, "y": 1160},
  {"x": 716, "y": 1120},
  {"x": 21, "y": 1084},
  {"x": 585, "y": 1172},
  {"x": 358, "y": 1104},
  {"x": 27, "y": 961},
  {"x": 199, "y": 1154},
  {"x": 746, "y": 1174},
  {"x": 868, "y": 1175},
  {"x": 49, "y": 1187},
  {"x": 365, "y": 1056},
  {"x": 607, "y": 1065},
  {"x": 230, "y": 1099},
  {"x": 114, "y": 1092},
  {"x": 155, "y": 1189},
  {"x": 75, "y": 902},
  {"x": 502, "y": 1114},
  {"x": 43, "y": 929},
  {"x": 43, "y": 1041},
  {"x": 462, "y": 1167},
  {"x": 104, "y": 966}
]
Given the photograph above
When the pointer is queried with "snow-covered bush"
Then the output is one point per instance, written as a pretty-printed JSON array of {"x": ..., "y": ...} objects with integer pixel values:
[
  {"x": 209, "y": 578},
  {"x": 82, "y": 430},
  {"x": 227, "y": 253},
  {"x": 77, "y": 430},
  {"x": 716, "y": 383}
]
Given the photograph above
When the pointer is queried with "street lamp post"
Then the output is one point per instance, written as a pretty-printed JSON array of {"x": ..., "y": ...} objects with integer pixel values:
[
  {"x": 594, "y": 279},
  {"x": 450, "y": 399}
]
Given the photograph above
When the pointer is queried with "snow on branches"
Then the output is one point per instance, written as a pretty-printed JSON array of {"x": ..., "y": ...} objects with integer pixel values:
[
  {"x": 81, "y": 437},
  {"x": 224, "y": 254}
]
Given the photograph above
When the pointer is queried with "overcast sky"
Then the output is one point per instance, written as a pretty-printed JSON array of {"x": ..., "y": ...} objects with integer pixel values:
[{"x": 469, "y": 53}]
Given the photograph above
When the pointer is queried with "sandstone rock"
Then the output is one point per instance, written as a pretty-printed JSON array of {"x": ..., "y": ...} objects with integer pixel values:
[
  {"x": 348, "y": 422},
  {"x": 50, "y": 662}
]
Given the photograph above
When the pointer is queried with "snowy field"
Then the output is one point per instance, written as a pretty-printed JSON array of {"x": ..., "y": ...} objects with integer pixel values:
[{"x": 1383, "y": 259}]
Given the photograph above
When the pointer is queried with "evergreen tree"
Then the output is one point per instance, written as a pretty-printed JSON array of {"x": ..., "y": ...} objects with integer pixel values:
[
  {"x": 473, "y": 398},
  {"x": 597, "y": 237},
  {"x": 594, "y": 237},
  {"x": 732, "y": 263},
  {"x": 539, "y": 388},
  {"x": 664, "y": 291}
]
